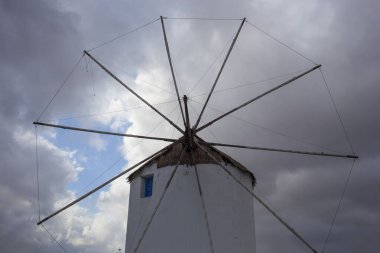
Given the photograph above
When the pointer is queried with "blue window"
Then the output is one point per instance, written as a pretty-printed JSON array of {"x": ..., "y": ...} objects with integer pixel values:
[{"x": 148, "y": 186}]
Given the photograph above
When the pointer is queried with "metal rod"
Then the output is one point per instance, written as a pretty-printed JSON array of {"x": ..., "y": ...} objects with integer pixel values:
[
  {"x": 102, "y": 185},
  {"x": 219, "y": 73},
  {"x": 256, "y": 98},
  {"x": 103, "y": 132},
  {"x": 203, "y": 202},
  {"x": 188, "y": 132},
  {"x": 159, "y": 202},
  {"x": 187, "y": 124},
  {"x": 282, "y": 150},
  {"x": 171, "y": 68},
  {"x": 133, "y": 92},
  {"x": 259, "y": 200}
]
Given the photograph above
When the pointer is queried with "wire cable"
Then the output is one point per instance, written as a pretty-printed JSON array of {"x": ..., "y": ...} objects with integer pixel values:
[
  {"x": 338, "y": 207},
  {"x": 252, "y": 83},
  {"x": 337, "y": 112},
  {"x": 209, "y": 68},
  {"x": 92, "y": 76},
  {"x": 143, "y": 81},
  {"x": 122, "y": 156},
  {"x": 105, "y": 113},
  {"x": 268, "y": 129},
  {"x": 54, "y": 239},
  {"x": 282, "y": 43},
  {"x": 199, "y": 18},
  {"x": 60, "y": 87},
  {"x": 177, "y": 120},
  {"x": 125, "y": 34}
]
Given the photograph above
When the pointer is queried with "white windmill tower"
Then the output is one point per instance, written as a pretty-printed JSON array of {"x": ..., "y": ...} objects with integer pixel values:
[
  {"x": 189, "y": 196},
  {"x": 183, "y": 201}
]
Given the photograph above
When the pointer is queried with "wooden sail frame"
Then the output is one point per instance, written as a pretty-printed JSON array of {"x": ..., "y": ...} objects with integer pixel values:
[{"x": 189, "y": 139}]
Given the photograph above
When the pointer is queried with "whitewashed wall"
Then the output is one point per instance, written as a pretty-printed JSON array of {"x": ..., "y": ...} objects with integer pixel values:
[{"x": 179, "y": 225}]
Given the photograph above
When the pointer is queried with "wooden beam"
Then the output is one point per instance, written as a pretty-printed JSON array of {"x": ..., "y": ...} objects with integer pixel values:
[
  {"x": 171, "y": 68},
  {"x": 103, "y": 184},
  {"x": 283, "y": 150},
  {"x": 258, "y": 97},
  {"x": 219, "y": 73},
  {"x": 133, "y": 92},
  {"x": 103, "y": 132}
]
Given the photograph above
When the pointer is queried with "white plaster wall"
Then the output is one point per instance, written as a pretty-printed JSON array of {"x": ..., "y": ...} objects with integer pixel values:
[{"x": 179, "y": 224}]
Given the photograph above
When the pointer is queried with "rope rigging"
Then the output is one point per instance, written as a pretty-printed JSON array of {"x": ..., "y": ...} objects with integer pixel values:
[
  {"x": 251, "y": 83},
  {"x": 131, "y": 75},
  {"x": 209, "y": 19},
  {"x": 338, "y": 207},
  {"x": 337, "y": 113},
  {"x": 54, "y": 239},
  {"x": 106, "y": 113},
  {"x": 122, "y": 156},
  {"x": 280, "y": 42},
  {"x": 60, "y": 87},
  {"x": 209, "y": 68},
  {"x": 268, "y": 129},
  {"x": 124, "y": 34}
]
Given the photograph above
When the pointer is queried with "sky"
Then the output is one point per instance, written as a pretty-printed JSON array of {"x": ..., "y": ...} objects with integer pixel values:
[{"x": 42, "y": 41}]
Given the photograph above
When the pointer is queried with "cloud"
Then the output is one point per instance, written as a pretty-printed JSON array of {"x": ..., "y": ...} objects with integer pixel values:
[
  {"x": 98, "y": 143},
  {"x": 41, "y": 40}
]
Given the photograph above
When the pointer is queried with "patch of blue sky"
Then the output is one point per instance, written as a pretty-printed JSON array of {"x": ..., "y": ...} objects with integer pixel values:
[{"x": 95, "y": 165}]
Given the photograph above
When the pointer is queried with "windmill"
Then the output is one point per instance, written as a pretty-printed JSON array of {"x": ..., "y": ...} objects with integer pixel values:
[{"x": 189, "y": 179}]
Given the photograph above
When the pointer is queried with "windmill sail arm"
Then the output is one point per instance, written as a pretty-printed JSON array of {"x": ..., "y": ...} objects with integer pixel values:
[
  {"x": 133, "y": 92},
  {"x": 219, "y": 73},
  {"x": 103, "y": 132},
  {"x": 258, "y": 97},
  {"x": 104, "y": 184},
  {"x": 284, "y": 150},
  {"x": 258, "y": 199},
  {"x": 171, "y": 68}
]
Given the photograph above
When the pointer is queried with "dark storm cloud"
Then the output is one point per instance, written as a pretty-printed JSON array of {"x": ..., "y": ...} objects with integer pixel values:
[
  {"x": 40, "y": 41},
  {"x": 34, "y": 36}
]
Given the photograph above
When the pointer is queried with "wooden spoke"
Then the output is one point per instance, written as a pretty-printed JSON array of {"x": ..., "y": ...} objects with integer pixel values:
[
  {"x": 133, "y": 92},
  {"x": 284, "y": 150},
  {"x": 104, "y": 184},
  {"x": 256, "y": 98},
  {"x": 104, "y": 132},
  {"x": 172, "y": 69},
  {"x": 219, "y": 73}
]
